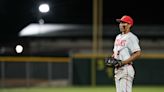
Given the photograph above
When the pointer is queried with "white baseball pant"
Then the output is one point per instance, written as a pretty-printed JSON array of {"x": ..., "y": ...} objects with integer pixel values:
[{"x": 124, "y": 78}]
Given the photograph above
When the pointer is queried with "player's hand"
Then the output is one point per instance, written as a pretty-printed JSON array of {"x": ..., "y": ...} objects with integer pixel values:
[
  {"x": 112, "y": 62},
  {"x": 118, "y": 63}
]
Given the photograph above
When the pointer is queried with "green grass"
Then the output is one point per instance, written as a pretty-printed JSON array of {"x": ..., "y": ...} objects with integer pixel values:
[{"x": 82, "y": 89}]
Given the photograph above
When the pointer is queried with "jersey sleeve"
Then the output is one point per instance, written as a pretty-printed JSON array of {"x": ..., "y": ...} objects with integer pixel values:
[{"x": 133, "y": 44}]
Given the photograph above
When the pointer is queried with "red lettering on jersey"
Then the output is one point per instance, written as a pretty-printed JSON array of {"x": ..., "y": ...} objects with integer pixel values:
[{"x": 120, "y": 42}]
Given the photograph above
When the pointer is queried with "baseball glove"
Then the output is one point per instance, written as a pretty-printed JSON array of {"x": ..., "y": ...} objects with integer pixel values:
[{"x": 112, "y": 62}]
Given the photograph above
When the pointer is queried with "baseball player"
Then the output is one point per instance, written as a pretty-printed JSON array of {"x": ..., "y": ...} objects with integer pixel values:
[{"x": 126, "y": 50}]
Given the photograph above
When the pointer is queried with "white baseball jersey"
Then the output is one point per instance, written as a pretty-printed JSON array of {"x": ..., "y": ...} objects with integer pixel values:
[{"x": 124, "y": 46}]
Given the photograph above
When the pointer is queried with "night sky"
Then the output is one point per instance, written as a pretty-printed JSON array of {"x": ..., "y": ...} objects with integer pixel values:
[{"x": 17, "y": 14}]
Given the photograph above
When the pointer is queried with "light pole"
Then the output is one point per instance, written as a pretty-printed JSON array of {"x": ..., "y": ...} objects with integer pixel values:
[{"x": 43, "y": 9}]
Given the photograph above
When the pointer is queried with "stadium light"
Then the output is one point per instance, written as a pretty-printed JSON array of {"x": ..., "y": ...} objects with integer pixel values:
[
  {"x": 44, "y": 8},
  {"x": 19, "y": 48}
]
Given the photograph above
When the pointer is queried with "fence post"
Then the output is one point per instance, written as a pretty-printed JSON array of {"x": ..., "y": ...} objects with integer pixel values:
[
  {"x": 27, "y": 74},
  {"x": 2, "y": 74},
  {"x": 70, "y": 68},
  {"x": 49, "y": 73}
]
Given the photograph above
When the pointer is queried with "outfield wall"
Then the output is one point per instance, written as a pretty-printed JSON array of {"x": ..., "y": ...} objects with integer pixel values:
[{"x": 78, "y": 69}]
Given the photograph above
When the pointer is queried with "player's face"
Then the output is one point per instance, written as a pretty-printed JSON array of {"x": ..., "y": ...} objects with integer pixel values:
[{"x": 124, "y": 27}]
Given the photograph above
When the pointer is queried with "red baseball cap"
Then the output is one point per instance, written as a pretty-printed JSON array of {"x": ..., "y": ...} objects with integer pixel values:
[{"x": 126, "y": 19}]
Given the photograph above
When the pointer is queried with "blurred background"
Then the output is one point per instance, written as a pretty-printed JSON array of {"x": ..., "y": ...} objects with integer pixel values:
[{"x": 64, "y": 42}]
